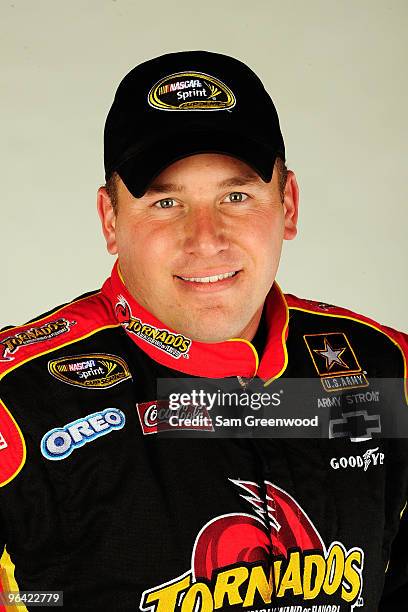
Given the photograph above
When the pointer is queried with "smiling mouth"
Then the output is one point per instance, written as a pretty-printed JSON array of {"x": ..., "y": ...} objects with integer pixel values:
[{"x": 209, "y": 279}]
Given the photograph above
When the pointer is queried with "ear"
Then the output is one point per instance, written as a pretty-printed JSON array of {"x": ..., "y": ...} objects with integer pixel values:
[
  {"x": 108, "y": 219},
  {"x": 290, "y": 206}
]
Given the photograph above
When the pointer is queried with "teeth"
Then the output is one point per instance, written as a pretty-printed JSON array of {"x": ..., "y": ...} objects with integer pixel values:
[{"x": 209, "y": 279}]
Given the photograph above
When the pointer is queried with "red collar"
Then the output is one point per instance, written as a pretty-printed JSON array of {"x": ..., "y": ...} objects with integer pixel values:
[{"x": 234, "y": 357}]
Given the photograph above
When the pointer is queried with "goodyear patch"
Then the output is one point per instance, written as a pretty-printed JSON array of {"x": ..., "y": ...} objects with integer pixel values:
[
  {"x": 38, "y": 333},
  {"x": 60, "y": 442},
  {"x": 191, "y": 91},
  {"x": 94, "y": 371}
]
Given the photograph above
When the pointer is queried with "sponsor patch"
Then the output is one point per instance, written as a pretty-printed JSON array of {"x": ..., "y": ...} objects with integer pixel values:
[
  {"x": 357, "y": 426},
  {"x": 156, "y": 416},
  {"x": 3, "y": 443},
  {"x": 335, "y": 361},
  {"x": 320, "y": 305},
  {"x": 365, "y": 397},
  {"x": 191, "y": 91},
  {"x": 272, "y": 552},
  {"x": 38, "y": 333},
  {"x": 60, "y": 442},
  {"x": 370, "y": 457},
  {"x": 12, "y": 446},
  {"x": 94, "y": 371},
  {"x": 325, "y": 306},
  {"x": 175, "y": 345}
]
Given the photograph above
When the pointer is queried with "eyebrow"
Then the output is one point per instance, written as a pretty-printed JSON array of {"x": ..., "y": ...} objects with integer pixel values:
[{"x": 239, "y": 180}]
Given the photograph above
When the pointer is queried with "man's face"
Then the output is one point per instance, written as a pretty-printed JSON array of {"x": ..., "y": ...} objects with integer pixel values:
[{"x": 204, "y": 216}]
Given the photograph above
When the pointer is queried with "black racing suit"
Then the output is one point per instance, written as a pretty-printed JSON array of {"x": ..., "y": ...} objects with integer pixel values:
[{"x": 102, "y": 499}]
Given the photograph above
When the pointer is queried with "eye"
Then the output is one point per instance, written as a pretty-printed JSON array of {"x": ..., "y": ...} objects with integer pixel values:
[
  {"x": 237, "y": 196},
  {"x": 165, "y": 203}
]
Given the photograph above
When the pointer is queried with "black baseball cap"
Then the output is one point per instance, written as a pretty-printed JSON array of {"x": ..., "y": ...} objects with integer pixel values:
[{"x": 189, "y": 102}]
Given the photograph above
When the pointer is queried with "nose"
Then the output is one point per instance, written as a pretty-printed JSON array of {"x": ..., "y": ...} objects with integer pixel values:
[{"x": 205, "y": 232}]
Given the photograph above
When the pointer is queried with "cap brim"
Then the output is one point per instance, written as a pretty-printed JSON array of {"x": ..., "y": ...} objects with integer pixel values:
[{"x": 143, "y": 166}]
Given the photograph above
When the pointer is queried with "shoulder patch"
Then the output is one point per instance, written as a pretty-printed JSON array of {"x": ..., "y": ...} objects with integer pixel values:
[
  {"x": 12, "y": 447},
  {"x": 398, "y": 338},
  {"x": 311, "y": 305},
  {"x": 78, "y": 319},
  {"x": 331, "y": 310}
]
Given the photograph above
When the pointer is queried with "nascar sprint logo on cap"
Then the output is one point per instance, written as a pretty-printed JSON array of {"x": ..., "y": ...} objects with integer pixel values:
[{"x": 191, "y": 91}]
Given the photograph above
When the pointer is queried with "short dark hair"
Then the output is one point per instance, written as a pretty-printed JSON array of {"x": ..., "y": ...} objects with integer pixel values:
[
  {"x": 282, "y": 176},
  {"x": 111, "y": 185}
]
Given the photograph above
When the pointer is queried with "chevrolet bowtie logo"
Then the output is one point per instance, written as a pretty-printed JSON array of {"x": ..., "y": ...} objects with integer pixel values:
[{"x": 355, "y": 425}]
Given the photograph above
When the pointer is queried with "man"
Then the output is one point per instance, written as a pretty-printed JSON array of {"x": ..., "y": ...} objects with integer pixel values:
[{"x": 99, "y": 499}]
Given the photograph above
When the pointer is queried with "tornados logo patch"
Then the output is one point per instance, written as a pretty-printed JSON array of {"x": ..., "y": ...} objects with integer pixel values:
[
  {"x": 175, "y": 345},
  {"x": 39, "y": 333},
  {"x": 274, "y": 555},
  {"x": 191, "y": 91}
]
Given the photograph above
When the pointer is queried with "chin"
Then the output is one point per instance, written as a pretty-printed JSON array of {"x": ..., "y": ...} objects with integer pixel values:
[
  {"x": 210, "y": 333},
  {"x": 211, "y": 325},
  {"x": 211, "y": 339}
]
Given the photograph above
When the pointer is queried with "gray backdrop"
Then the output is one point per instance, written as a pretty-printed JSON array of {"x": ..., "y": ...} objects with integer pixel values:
[{"x": 337, "y": 73}]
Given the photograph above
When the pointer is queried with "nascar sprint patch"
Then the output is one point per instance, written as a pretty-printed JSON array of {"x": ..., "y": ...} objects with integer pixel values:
[
  {"x": 191, "y": 91},
  {"x": 94, "y": 371}
]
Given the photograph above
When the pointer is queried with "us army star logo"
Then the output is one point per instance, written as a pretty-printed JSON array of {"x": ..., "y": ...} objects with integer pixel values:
[
  {"x": 331, "y": 355},
  {"x": 336, "y": 371}
]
